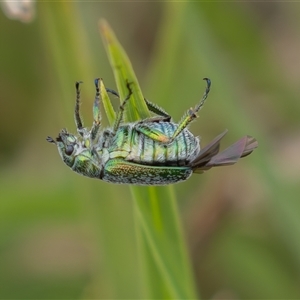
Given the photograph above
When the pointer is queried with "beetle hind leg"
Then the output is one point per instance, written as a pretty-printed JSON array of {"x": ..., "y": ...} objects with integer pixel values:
[
  {"x": 164, "y": 116},
  {"x": 151, "y": 106},
  {"x": 185, "y": 121},
  {"x": 152, "y": 133},
  {"x": 190, "y": 115}
]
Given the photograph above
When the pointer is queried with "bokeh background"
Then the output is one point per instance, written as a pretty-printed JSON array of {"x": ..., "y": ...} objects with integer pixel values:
[{"x": 63, "y": 236}]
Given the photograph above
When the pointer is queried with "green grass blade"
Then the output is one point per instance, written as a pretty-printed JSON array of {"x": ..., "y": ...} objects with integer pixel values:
[
  {"x": 165, "y": 266},
  {"x": 158, "y": 217},
  {"x": 123, "y": 72},
  {"x": 109, "y": 110}
]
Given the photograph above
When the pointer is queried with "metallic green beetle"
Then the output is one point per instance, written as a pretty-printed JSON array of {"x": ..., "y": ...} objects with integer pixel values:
[{"x": 153, "y": 151}]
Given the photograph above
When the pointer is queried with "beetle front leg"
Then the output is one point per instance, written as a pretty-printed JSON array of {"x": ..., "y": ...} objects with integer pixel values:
[
  {"x": 78, "y": 120},
  {"x": 96, "y": 111}
]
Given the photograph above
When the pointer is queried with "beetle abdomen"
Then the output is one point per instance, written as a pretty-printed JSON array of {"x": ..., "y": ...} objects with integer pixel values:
[{"x": 144, "y": 150}]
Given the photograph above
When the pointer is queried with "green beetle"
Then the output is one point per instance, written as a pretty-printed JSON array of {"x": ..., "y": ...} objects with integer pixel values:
[{"x": 154, "y": 151}]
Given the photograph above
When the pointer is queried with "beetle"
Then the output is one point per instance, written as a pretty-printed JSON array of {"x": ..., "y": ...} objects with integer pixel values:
[{"x": 153, "y": 151}]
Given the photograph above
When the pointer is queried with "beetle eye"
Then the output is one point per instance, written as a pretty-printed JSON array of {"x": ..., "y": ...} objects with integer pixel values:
[{"x": 69, "y": 149}]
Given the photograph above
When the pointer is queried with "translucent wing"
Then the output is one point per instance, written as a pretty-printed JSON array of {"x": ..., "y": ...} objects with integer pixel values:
[{"x": 210, "y": 157}]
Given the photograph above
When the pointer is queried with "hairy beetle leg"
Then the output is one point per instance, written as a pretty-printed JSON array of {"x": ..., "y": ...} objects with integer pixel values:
[
  {"x": 151, "y": 106},
  {"x": 96, "y": 111},
  {"x": 78, "y": 120},
  {"x": 190, "y": 115},
  {"x": 119, "y": 117}
]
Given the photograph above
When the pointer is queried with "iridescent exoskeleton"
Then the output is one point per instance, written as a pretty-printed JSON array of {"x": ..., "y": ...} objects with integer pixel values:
[{"x": 153, "y": 151}]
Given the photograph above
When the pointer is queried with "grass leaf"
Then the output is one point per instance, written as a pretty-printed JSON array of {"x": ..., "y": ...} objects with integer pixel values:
[
  {"x": 123, "y": 72},
  {"x": 165, "y": 267},
  {"x": 109, "y": 110}
]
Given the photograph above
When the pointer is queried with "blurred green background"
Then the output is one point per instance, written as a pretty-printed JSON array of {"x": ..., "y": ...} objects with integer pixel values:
[{"x": 63, "y": 236}]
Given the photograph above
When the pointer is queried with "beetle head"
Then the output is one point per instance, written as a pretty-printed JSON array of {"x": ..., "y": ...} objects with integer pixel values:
[{"x": 77, "y": 154}]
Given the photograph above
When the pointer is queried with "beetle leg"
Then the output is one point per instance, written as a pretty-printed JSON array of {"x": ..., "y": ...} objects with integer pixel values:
[
  {"x": 112, "y": 92},
  {"x": 153, "y": 120},
  {"x": 190, "y": 115},
  {"x": 152, "y": 133},
  {"x": 158, "y": 110},
  {"x": 121, "y": 109},
  {"x": 151, "y": 106},
  {"x": 96, "y": 111},
  {"x": 78, "y": 120}
]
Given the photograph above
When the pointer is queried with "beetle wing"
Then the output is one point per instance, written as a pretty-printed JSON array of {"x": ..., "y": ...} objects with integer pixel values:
[
  {"x": 209, "y": 156},
  {"x": 209, "y": 151}
]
